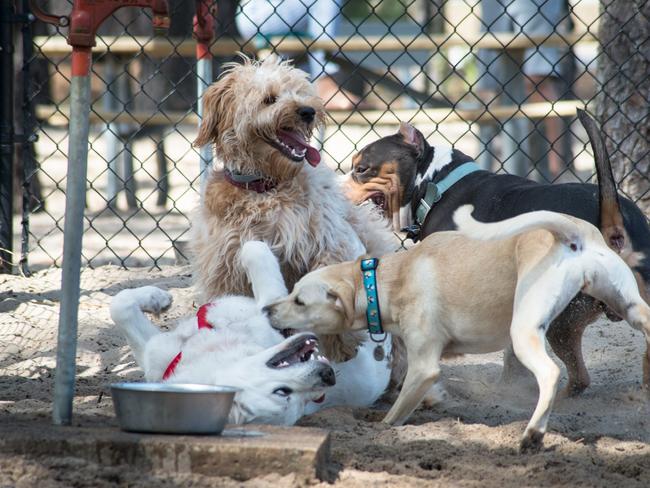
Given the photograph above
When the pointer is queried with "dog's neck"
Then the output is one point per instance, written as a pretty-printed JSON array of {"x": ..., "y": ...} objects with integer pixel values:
[
  {"x": 421, "y": 164},
  {"x": 273, "y": 167},
  {"x": 385, "y": 282},
  {"x": 441, "y": 161}
]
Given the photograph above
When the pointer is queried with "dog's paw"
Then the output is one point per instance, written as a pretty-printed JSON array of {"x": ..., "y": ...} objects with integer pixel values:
[
  {"x": 532, "y": 442},
  {"x": 255, "y": 251},
  {"x": 435, "y": 395},
  {"x": 573, "y": 389},
  {"x": 153, "y": 300}
]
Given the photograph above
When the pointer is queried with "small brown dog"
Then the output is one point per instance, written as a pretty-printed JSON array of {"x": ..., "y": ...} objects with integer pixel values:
[
  {"x": 454, "y": 294},
  {"x": 260, "y": 116}
]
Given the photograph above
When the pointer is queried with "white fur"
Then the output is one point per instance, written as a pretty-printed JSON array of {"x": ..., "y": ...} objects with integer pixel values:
[
  {"x": 441, "y": 158},
  {"x": 561, "y": 227},
  {"x": 237, "y": 350}
]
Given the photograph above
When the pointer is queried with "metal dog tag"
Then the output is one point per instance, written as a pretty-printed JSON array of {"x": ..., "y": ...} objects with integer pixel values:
[{"x": 379, "y": 353}]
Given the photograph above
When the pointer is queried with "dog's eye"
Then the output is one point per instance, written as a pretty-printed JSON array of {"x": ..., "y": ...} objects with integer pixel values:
[
  {"x": 283, "y": 391},
  {"x": 361, "y": 169},
  {"x": 270, "y": 100},
  {"x": 299, "y": 302}
]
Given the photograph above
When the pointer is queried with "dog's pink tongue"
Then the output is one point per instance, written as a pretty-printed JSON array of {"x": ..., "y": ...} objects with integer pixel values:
[
  {"x": 312, "y": 156},
  {"x": 297, "y": 140}
]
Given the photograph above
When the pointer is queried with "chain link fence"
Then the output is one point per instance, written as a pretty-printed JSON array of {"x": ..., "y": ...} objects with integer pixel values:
[{"x": 498, "y": 79}]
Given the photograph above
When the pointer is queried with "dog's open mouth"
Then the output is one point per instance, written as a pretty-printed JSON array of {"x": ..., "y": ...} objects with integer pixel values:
[
  {"x": 304, "y": 348},
  {"x": 293, "y": 145},
  {"x": 379, "y": 200}
]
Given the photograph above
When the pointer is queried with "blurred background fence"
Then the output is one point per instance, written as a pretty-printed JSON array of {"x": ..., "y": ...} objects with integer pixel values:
[{"x": 498, "y": 79}]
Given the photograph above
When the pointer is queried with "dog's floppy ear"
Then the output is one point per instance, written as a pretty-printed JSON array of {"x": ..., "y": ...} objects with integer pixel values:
[
  {"x": 343, "y": 297},
  {"x": 412, "y": 137},
  {"x": 215, "y": 110}
]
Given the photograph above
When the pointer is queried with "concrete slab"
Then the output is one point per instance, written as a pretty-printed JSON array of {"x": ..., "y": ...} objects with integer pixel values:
[{"x": 241, "y": 453}]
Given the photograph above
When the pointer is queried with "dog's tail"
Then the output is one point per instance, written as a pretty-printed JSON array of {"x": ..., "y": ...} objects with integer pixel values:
[
  {"x": 127, "y": 311},
  {"x": 564, "y": 229},
  {"x": 611, "y": 219}
]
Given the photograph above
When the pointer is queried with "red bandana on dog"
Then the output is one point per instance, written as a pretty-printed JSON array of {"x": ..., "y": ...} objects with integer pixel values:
[{"x": 202, "y": 321}]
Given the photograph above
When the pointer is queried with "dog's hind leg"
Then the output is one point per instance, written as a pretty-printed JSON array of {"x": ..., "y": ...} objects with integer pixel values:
[
  {"x": 127, "y": 311},
  {"x": 423, "y": 371},
  {"x": 539, "y": 298},
  {"x": 613, "y": 282},
  {"x": 565, "y": 338}
]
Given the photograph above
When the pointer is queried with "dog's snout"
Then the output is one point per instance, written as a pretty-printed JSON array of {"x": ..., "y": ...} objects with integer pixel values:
[
  {"x": 328, "y": 376},
  {"x": 307, "y": 114}
]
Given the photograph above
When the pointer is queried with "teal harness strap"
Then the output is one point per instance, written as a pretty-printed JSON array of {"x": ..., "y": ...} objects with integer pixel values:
[
  {"x": 436, "y": 190},
  {"x": 369, "y": 267}
]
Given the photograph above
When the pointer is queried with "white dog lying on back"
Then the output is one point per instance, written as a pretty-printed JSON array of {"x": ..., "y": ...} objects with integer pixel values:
[{"x": 230, "y": 342}]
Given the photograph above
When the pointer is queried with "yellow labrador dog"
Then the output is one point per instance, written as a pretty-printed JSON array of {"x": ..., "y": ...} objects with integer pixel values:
[{"x": 453, "y": 294}]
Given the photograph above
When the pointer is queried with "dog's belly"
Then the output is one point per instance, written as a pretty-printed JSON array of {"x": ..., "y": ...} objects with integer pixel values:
[
  {"x": 481, "y": 345},
  {"x": 471, "y": 285}
]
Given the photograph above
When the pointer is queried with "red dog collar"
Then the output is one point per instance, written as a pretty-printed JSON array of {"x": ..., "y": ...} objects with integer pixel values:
[
  {"x": 249, "y": 182},
  {"x": 202, "y": 322}
]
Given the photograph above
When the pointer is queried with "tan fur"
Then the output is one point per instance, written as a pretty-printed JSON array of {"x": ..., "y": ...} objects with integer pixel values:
[
  {"x": 474, "y": 291},
  {"x": 306, "y": 220}
]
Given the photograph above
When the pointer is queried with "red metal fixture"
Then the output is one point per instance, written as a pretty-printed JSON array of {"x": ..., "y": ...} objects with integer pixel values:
[
  {"x": 204, "y": 27},
  {"x": 87, "y": 15}
]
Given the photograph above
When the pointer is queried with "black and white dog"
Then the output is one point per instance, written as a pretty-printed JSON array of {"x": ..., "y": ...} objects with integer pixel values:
[{"x": 419, "y": 187}]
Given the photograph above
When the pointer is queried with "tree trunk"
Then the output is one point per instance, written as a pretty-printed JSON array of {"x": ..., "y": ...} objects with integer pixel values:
[{"x": 624, "y": 98}]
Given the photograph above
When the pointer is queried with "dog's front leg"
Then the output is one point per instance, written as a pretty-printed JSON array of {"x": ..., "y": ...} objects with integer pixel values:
[
  {"x": 423, "y": 371},
  {"x": 127, "y": 311}
]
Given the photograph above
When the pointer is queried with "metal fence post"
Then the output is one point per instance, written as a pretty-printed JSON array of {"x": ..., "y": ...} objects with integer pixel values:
[
  {"x": 84, "y": 21},
  {"x": 7, "y": 18},
  {"x": 204, "y": 34},
  {"x": 75, "y": 200}
]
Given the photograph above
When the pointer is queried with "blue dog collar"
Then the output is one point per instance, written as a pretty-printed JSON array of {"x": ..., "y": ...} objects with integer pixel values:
[
  {"x": 369, "y": 267},
  {"x": 436, "y": 190}
]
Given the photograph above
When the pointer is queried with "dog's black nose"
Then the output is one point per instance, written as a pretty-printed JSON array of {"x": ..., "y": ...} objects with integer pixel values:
[
  {"x": 307, "y": 114},
  {"x": 328, "y": 376}
]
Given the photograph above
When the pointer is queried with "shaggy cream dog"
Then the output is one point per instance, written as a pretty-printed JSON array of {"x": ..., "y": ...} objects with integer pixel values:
[{"x": 260, "y": 117}]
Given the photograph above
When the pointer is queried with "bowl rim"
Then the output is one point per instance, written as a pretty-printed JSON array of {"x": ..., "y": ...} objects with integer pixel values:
[{"x": 153, "y": 387}]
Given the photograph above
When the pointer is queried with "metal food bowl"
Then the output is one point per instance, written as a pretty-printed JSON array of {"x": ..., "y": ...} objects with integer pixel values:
[{"x": 172, "y": 408}]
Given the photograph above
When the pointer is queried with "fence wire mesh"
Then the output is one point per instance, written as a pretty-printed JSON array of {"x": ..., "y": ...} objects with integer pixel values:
[{"x": 498, "y": 79}]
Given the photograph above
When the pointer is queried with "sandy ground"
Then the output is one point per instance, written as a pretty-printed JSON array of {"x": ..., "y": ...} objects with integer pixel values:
[{"x": 601, "y": 438}]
